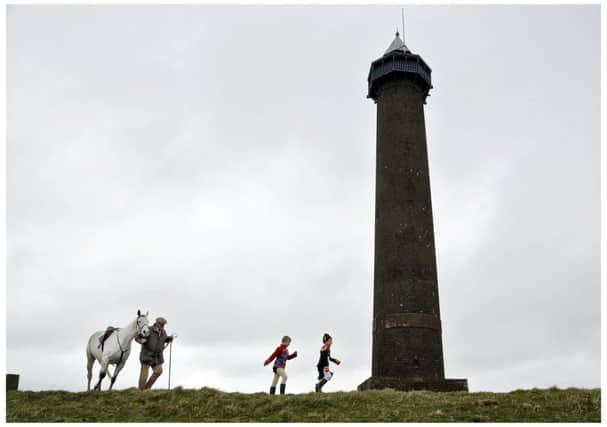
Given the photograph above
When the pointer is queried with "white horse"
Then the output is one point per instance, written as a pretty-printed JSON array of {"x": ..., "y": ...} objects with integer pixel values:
[{"x": 115, "y": 350}]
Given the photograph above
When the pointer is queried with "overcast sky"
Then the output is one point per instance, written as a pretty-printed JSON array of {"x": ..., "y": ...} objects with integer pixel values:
[{"x": 216, "y": 166}]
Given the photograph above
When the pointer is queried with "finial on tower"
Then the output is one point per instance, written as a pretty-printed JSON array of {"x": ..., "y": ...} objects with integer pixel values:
[
  {"x": 399, "y": 61},
  {"x": 397, "y": 44}
]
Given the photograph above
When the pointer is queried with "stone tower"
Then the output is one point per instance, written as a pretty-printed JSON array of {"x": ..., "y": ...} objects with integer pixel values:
[{"x": 407, "y": 342}]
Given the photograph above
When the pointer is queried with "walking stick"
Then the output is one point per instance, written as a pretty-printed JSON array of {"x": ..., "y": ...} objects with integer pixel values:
[
  {"x": 170, "y": 354},
  {"x": 170, "y": 351}
]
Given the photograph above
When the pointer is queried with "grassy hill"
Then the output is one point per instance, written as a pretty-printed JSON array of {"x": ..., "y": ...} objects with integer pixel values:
[{"x": 209, "y": 405}]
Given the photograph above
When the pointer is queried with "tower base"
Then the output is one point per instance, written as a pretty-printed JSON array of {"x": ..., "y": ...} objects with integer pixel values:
[{"x": 409, "y": 384}]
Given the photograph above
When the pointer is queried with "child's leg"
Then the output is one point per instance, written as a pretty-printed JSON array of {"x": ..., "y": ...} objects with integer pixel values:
[
  {"x": 321, "y": 372},
  {"x": 326, "y": 376},
  {"x": 283, "y": 383},
  {"x": 283, "y": 374},
  {"x": 275, "y": 380}
]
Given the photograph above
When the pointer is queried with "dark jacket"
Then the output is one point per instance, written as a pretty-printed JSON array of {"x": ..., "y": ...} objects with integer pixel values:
[
  {"x": 325, "y": 356},
  {"x": 153, "y": 345}
]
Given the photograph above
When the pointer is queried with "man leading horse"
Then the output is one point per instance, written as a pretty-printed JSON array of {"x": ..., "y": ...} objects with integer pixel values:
[{"x": 151, "y": 356}]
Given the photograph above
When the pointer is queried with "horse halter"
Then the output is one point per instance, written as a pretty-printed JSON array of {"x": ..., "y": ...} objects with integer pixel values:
[{"x": 140, "y": 327}]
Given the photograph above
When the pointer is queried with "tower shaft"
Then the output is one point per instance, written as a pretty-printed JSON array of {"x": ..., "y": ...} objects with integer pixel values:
[
  {"x": 407, "y": 334},
  {"x": 407, "y": 328}
]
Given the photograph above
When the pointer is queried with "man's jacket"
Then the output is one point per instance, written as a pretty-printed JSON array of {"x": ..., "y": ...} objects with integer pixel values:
[{"x": 152, "y": 347}]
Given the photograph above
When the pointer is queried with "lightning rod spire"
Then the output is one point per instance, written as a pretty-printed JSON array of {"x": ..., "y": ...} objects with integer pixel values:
[{"x": 402, "y": 9}]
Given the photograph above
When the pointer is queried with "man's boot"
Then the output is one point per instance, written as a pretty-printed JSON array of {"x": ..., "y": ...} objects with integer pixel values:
[
  {"x": 282, "y": 388},
  {"x": 273, "y": 390},
  {"x": 319, "y": 385}
]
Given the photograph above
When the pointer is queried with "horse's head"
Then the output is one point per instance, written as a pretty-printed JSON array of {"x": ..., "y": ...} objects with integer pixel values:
[{"x": 143, "y": 324}]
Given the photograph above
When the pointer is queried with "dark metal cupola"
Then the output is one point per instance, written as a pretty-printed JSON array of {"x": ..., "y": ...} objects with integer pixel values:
[{"x": 398, "y": 59}]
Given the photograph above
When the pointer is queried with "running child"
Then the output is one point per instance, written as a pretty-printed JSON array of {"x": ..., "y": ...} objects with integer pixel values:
[
  {"x": 324, "y": 374},
  {"x": 281, "y": 354}
]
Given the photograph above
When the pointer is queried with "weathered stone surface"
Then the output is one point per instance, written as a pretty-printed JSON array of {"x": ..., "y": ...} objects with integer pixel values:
[
  {"x": 407, "y": 341},
  {"x": 405, "y": 263}
]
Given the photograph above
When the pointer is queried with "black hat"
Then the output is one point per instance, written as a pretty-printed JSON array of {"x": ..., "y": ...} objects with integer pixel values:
[{"x": 326, "y": 337}]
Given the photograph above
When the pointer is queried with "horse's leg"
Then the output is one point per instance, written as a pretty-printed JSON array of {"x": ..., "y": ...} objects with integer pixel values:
[
  {"x": 102, "y": 371},
  {"x": 116, "y": 371},
  {"x": 89, "y": 369},
  {"x": 109, "y": 372}
]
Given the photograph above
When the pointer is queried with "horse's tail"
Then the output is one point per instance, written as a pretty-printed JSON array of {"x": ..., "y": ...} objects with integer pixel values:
[
  {"x": 90, "y": 360},
  {"x": 90, "y": 348},
  {"x": 89, "y": 357}
]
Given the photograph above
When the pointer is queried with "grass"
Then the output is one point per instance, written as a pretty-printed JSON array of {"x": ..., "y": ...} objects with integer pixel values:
[{"x": 209, "y": 405}]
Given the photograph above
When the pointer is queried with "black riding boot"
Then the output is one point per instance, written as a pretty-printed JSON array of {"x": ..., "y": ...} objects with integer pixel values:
[
  {"x": 273, "y": 390},
  {"x": 282, "y": 388},
  {"x": 320, "y": 384}
]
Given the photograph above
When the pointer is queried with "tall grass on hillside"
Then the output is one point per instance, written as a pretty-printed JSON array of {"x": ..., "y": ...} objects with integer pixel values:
[{"x": 209, "y": 405}]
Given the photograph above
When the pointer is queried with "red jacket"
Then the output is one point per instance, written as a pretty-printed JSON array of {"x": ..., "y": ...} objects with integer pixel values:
[{"x": 282, "y": 355}]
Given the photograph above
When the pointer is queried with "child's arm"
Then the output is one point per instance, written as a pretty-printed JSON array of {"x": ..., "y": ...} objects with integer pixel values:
[
  {"x": 292, "y": 355},
  {"x": 336, "y": 361},
  {"x": 272, "y": 356}
]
